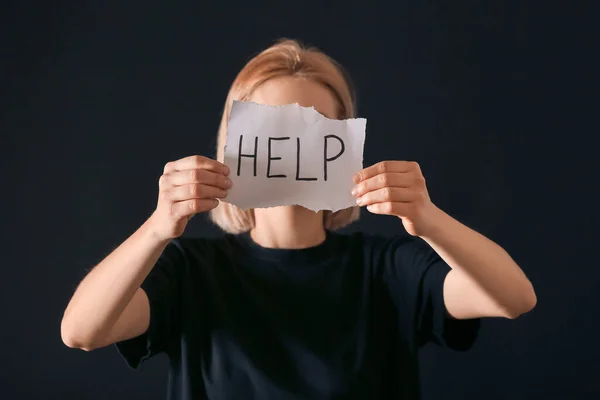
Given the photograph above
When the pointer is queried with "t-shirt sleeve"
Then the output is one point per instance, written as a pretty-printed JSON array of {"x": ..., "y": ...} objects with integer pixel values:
[
  {"x": 415, "y": 275},
  {"x": 162, "y": 288}
]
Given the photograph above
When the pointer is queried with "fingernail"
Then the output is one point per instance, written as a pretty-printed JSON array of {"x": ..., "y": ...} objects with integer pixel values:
[
  {"x": 356, "y": 178},
  {"x": 226, "y": 170},
  {"x": 228, "y": 182},
  {"x": 354, "y": 191},
  {"x": 360, "y": 201}
]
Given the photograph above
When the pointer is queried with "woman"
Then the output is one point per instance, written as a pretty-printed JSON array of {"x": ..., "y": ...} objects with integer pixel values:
[{"x": 281, "y": 306}]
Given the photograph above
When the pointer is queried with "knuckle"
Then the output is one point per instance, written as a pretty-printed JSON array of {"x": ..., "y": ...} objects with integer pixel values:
[
  {"x": 163, "y": 195},
  {"x": 194, "y": 206},
  {"x": 162, "y": 180},
  {"x": 198, "y": 160},
  {"x": 195, "y": 189},
  {"x": 361, "y": 188},
  {"x": 387, "y": 193},
  {"x": 383, "y": 166},
  {"x": 167, "y": 166},
  {"x": 386, "y": 207},
  {"x": 384, "y": 179},
  {"x": 194, "y": 175}
]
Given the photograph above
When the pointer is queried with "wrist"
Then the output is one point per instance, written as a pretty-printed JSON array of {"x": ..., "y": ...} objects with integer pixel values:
[
  {"x": 433, "y": 223},
  {"x": 151, "y": 229}
]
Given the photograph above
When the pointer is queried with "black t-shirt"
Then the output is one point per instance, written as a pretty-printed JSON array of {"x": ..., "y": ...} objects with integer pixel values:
[{"x": 341, "y": 320}]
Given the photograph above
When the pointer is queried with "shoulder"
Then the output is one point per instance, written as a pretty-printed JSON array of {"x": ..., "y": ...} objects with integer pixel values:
[
  {"x": 195, "y": 262},
  {"x": 377, "y": 250},
  {"x": 203, "y": 247},
  {"x": 380, "y": 244},
  {"x": 394, "y": 254}
]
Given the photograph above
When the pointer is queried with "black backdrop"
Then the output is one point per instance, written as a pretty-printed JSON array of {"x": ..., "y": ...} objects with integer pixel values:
[{"x": 494, "y": 99}]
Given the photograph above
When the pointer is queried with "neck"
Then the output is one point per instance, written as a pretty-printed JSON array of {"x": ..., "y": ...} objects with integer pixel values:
[{"x": 287, "y": 227}]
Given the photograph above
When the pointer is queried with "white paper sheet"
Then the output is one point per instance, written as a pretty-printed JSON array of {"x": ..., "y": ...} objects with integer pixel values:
[{"x": 292, "y": 155}]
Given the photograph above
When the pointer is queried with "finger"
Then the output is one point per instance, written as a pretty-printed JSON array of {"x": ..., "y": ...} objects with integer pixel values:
[
  {"x": 178, "y": 178},
  {"x": 194, "y": 206},
  {"x": 195, "y": 191},
  {"x": 196, "y": 162},
  {"x": 391, "y": 208},
  {"x": 385, "y": 166},
  {"x": 392, "y": 179},
  {"x": 387, "y": 194}
]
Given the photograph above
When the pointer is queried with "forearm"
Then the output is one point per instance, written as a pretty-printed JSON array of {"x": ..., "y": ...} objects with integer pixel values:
[
  {"x": 483, "y": 261},
  {"x": 105, "y": 292}
]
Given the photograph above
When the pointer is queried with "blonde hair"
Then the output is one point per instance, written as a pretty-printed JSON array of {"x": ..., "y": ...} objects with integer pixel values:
[{"x": 287, "y": 58}]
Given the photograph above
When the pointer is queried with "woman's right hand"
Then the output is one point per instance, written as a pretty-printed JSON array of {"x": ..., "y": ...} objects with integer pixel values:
[{"x": 187, "y": 187}]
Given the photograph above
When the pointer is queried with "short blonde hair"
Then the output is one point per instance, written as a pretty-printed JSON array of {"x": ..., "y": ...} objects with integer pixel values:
[{"x": 286, "y": 58}]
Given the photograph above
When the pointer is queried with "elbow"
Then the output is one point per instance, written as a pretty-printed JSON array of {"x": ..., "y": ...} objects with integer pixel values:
[
  {"x": 75, "y": 339},
  {"x": 527, "y": 302}
]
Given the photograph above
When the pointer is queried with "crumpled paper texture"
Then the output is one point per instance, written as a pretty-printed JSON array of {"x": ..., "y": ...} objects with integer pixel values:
[{"x": 307, "y": 166}]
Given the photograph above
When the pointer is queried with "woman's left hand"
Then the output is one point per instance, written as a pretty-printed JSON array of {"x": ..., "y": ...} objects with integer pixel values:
[{"x": 396, "y": 188}]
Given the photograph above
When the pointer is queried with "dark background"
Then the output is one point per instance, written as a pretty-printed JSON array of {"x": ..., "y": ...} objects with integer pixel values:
[{"x": 496, "y": 100}]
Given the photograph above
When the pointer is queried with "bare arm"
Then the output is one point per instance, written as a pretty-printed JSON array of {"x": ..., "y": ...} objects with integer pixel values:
[
  {"x": 484, "y": 281},
  {"x": 109, "y": 305},
  {"x": 95, "y": 315}
]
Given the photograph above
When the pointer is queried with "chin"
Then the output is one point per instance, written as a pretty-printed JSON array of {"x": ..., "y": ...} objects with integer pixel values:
[{"x": 302, "y": 209}]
